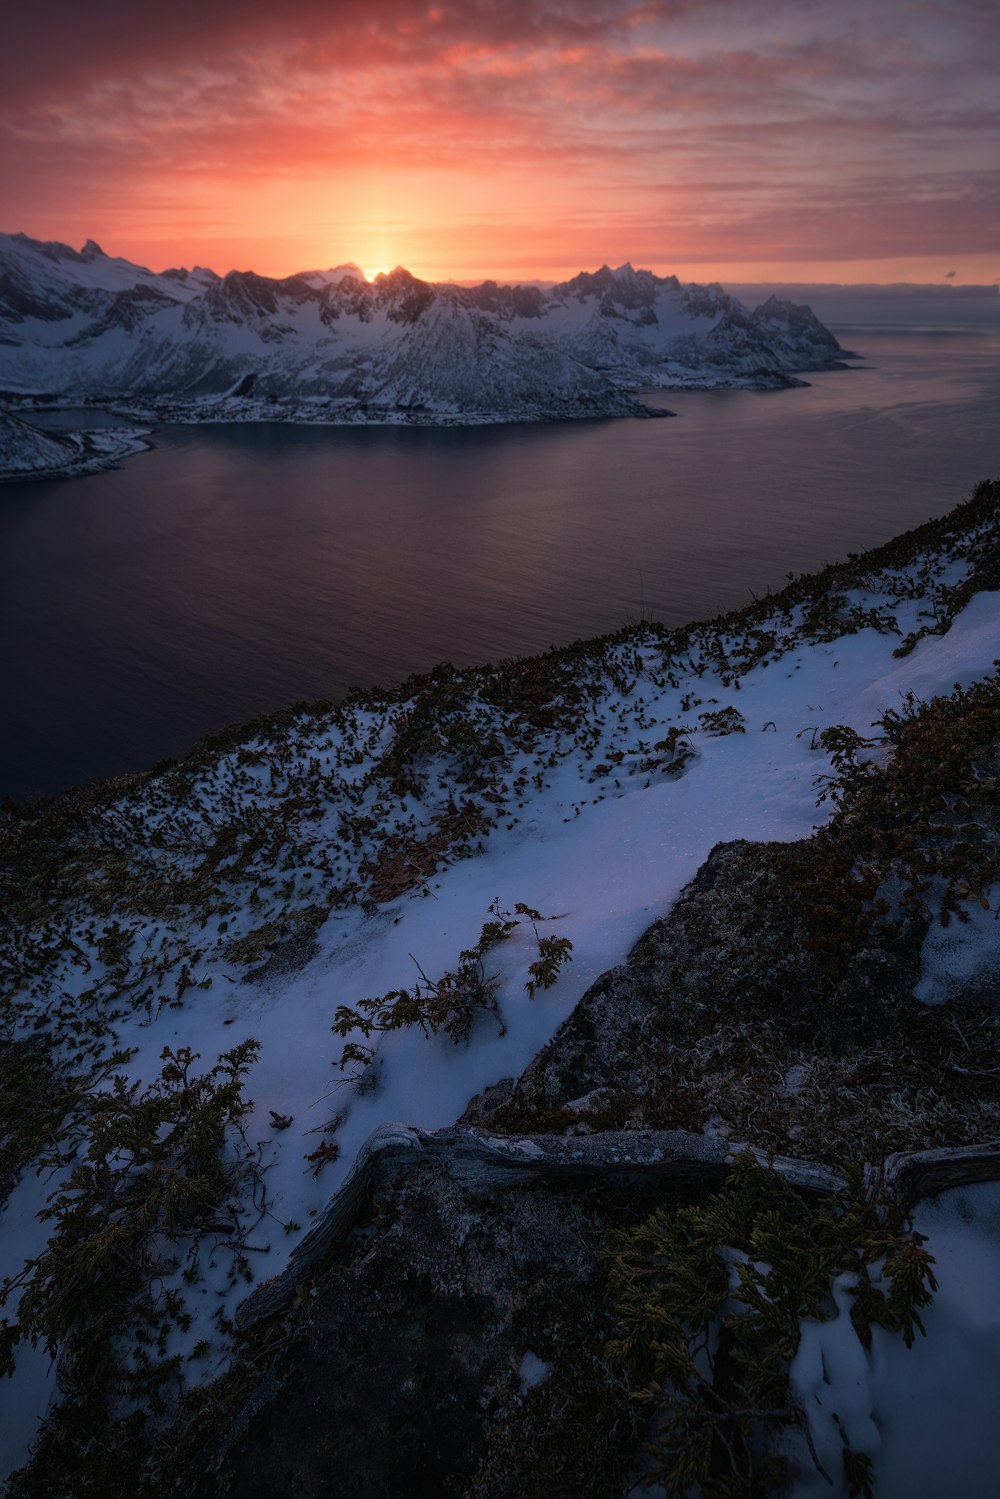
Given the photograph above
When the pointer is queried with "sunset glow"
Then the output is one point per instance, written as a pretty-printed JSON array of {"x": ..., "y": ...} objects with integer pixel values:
[{"x": 711, "y": 138}]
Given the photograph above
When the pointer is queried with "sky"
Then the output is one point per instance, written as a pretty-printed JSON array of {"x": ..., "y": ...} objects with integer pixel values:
[{"x": 739, "y": 140}]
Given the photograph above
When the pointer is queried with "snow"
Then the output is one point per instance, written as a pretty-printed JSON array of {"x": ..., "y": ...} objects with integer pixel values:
[
  {"x": 329, "y": 346},
  {"x": 601, "y": 845},
  {"x": 26, "y": 1397},
  {"x": 26, "y": 452},
  {"x": 938, "y": 1402},
  {"x": 829, "y": 1380},
  {"x": 962, "y": 957},
  {"x": 532, "y": 1372},
  {"x": 926, "y": 1415}
]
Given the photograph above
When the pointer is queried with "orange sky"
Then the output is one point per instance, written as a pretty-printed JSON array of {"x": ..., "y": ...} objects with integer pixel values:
[{"x": 718, "y": 139}]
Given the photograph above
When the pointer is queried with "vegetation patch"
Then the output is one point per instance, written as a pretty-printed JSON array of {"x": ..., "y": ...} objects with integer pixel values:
[
  {"x": 451, "y": 1004},
  {"x": 921, "y": 820},
  {"x": 37, "y": 1092},
  {"x": 159, "y": 1183},
  {"x": 123, "y": 900},
  {"x": 267, "y": 829},
  {"x": 576, "y": 1433},
  {"x": 710, "y": 1300}
]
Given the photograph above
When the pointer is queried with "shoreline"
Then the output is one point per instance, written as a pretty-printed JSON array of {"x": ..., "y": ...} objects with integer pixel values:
[
  {"x": 926, "y": 535},
  {"x": 100, "y": 451}
]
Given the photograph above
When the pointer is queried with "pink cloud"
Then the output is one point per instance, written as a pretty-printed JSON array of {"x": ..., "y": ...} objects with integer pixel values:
[{"x": 706, "y": 128}]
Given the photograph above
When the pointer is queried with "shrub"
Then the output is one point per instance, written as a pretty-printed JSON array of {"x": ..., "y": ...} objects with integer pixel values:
[
  {"x": 709, "y": 1302},
  {"x": 922, "y": 816},
  {"x": 451, "y": 1003},
  {"x": 151, "y": 1177}
]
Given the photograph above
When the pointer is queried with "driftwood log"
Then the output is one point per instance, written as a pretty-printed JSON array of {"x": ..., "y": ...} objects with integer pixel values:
[{"x": 674, "y": 1155}]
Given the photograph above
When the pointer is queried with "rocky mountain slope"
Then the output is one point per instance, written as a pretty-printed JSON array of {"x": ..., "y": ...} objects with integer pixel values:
[
  {"x": 26, "y": 452},
  {"x": 29, "y": 451},
  {"x": 331, "y": 346},
  {"x": 587, "y": 891}
]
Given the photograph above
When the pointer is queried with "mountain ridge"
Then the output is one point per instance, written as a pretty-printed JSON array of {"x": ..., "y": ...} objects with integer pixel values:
[{"x": 332, "y": 346}]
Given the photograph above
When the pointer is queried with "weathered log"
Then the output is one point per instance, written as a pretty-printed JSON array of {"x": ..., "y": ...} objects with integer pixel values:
[
  {"x": 674, "y": 1155},
  {"x": 914, "y": 1174},
  {"x": 490, "y": 1160}
]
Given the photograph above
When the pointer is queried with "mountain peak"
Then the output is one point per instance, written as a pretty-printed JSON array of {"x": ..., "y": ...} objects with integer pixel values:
[
  {"x": 328, "y": 345},
  {"x": 398, "y": 276}
]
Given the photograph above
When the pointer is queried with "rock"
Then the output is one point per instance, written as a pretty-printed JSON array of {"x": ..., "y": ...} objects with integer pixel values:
[
  {"x": 387, "y": 1359},
  {"x": 398, "y": 1372},
  {"x": 725, "y": 996}
]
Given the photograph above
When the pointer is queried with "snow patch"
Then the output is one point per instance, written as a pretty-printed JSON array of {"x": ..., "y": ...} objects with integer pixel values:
[
  {"x": 532, "y": 1372},
  {"x": 963, "y": 957}
]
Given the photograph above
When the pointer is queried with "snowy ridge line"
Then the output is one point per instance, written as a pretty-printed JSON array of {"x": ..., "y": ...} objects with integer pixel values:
[
  {"x": 27, "y": 452},
  {"x": 333, "y": 348},
  {"x": 365, "y": 803},
  {"x": 676, "y": 1155}
]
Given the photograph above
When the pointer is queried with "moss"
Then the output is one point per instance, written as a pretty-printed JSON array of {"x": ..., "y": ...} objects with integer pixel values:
[
  {"x": 82, "y": 1454},
  {"x": 575, "y": 1435}
]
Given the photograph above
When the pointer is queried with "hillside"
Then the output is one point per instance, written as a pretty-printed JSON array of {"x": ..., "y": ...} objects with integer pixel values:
[{"x": 621, "y": 908}]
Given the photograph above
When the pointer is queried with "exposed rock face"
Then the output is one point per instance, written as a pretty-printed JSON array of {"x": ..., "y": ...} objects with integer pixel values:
[
  {"x": 399, "y": 1367},
  {"x": 393, "y": 1366},
  {"x": 798, "y": 332},
  {"x": 733, "y": 953},
  {"x": 722, "y": 1019},
  {"x": 399, "y": 1375}
]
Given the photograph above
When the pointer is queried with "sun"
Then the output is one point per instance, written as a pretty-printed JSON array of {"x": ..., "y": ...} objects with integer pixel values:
[{"x": 376, "y": 270}]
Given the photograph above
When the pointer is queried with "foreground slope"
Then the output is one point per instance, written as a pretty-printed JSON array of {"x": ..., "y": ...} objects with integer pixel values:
[
  {"x": 247, "y": 902},
  {"x": 330, "y": 346}
]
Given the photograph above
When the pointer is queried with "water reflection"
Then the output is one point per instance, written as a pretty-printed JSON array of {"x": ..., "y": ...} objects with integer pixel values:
[{"x": 236, "y": 569}]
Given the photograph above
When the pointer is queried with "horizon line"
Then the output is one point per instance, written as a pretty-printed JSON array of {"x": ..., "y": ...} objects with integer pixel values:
[{"x": 372, "y": 275}]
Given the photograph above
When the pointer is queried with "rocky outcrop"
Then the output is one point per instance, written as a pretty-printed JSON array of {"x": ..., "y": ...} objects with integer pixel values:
[
  {"x": 430, "y": 1353},
  {"x": 453, "y": 1339},
  {"x": 675, "y": 1159},
  {"x": 408, "y": 1314},
  {"x": 443, "y": 1328},
  {"x": 723, "y": 1017}
]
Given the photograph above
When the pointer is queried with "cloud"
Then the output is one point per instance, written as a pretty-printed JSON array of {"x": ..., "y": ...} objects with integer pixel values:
[
  {"x": 109, "y": 38},
  {"x": 698, "y": 124}
]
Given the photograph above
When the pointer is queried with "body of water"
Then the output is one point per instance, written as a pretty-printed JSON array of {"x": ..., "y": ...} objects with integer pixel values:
[{"x": 234, "y": 570}]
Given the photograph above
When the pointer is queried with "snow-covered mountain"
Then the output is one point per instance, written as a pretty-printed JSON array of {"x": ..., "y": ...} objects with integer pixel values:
[
  {"x": 331, "y": 346},
  {"x": 26, "y": 452}
]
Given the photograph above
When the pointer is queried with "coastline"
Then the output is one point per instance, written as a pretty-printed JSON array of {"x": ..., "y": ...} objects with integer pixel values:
[{"x": 99, "y": 452}]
